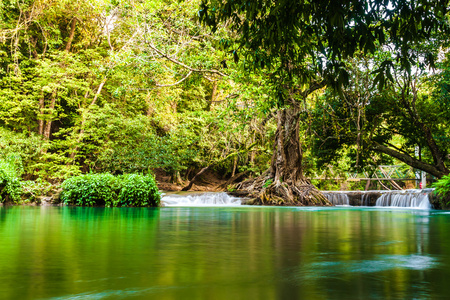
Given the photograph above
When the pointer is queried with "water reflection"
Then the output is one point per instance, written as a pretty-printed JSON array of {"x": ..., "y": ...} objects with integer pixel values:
[
  {"x": 222, "y": 253},
  {"x": 379, "y": 263}
]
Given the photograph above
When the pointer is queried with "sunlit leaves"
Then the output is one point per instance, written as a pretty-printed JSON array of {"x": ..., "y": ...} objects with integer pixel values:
[{"x": 105, "y": 189}]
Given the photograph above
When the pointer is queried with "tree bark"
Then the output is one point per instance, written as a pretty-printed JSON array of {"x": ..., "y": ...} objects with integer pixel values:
[
  {"x": 213, "y": 95},
  {"x": 41, "y": 115},
  {"x": 48, "y": 125},
  {"x": 367, "y": 185},
  {"x": 233, "y": 179},
  {"x": 411, "y": 161},
  {"x": 286, "y": 162},
  {"x": 234, "y": 166},
  {"x": 436, "y": 153},
  {"x": 189, "y": 186},
  {"x": 284, "y": 182},
  {"x": 72, "y": 34}
]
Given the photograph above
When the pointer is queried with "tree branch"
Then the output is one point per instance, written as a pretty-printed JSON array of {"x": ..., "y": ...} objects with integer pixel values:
[
  {"x": 411, "y": 161},
  {"x": 203, "y": 170},
  {"x": 72, "y": 33},
  {"x": 184, "y": 65}
]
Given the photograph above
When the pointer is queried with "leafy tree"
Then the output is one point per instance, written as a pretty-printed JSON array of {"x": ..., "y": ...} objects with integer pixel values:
[
  {"x": 408, "y": 114},
  {"x": 305, "y": 44},
  {"x": 121, "y": 87}
]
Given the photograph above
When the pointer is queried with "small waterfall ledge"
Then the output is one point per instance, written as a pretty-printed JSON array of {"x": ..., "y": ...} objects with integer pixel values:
[
  {"x": 420, "y": 199},
  {"x": 200, "y": 199},
  {"x": 407, "y": 198},
  {"x": 337, "y": 198},
  {"x": 413, "y": 198}
]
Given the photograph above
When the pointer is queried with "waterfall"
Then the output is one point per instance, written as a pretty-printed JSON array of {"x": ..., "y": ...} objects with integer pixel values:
[
  {"x": 365, "y": 199},
  {"x": 406, "y": 198},
  {"x": 337, "y": 198},
  {"x": 200, "y": 199}
]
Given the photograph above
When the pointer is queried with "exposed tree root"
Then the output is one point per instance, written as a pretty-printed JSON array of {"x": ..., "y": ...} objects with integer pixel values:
[
  {"x": 264, "y": 191},
  {"x": 284, "y": 183}
]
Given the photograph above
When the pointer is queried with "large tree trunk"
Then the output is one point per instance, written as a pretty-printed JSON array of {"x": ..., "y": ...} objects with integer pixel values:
[
  {"x": 284, "y": 183},
  {"x": 48, "y": 126},
  {"x": 286, "y": 162},
  {"x": 72, "y": 34},
  {"x": 41, "y": 116}
]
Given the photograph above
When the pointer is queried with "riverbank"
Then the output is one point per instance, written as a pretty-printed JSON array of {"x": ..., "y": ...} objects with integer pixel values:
[
  {"x": 209, "y": 181},
  {"x": 213, "y": 182}
]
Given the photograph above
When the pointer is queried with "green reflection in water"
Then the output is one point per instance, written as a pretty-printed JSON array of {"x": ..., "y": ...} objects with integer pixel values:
[{"x": 223, "y": 253}]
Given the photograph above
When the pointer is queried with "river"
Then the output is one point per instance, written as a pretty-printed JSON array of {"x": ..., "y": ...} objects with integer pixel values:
[{"x": 224, "y": 252}]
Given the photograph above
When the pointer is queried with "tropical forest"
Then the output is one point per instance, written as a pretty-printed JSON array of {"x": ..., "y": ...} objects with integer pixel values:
[{"x": 224, "y": 149}]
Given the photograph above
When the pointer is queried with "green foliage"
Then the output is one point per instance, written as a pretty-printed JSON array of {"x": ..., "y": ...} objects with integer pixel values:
[
  {"x": 297, "y": 37},
  {"x": 110, "y": 102},
  {"x": 442, "y": 189},
  {"x": 373, "y": 127},
  {"x": 154, "y": 89},
  {"x": 109, "y": 190},
  {"x": 231, "y": 188},
  {"x": 90, "y": 190},
  {"x": 327, "y": 185},
  {"x": 268, "y": 183},
  {"x": 10, "y": 187},
  {"x": 33, "y": 189},
  {"x": 36, "y": 156},
  {"x": 125, "y": 145},
  {"x": 138, "y": 190}
]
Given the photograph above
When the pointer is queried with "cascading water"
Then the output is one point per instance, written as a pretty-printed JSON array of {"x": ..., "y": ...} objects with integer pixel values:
[
  {"x": 337, "y": 198},
  {"x": 406, "y": 198},
  {"x": 365, "y": 199},
  {"x": 201, "y": 199}
]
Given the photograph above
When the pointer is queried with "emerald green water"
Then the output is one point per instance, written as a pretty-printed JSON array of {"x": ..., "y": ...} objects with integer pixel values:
[{"x": 223, "y": 253}]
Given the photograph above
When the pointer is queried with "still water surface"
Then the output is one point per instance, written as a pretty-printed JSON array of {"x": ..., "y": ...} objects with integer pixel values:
[{"x": 223, "y": 253}]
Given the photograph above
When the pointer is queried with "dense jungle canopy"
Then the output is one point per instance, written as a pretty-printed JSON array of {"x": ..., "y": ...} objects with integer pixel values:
[{"x": 273, "y": 91}]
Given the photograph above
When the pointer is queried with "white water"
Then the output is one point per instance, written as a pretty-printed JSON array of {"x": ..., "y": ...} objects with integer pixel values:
[
  {"x": 406, "y": 198},
  {"x": 201, "y": 199},
  {"x": 337, "y": 198},
  {"x": 365, "y": 199}
]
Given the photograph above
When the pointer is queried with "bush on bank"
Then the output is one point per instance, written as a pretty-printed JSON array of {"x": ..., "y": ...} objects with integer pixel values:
[
  {"x": 10, "y": 187},
  {"x": 442, "y": 189},
  {"x": 109, "y": 190}
]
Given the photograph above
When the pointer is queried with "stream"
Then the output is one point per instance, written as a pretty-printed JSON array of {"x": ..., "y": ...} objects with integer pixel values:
[{"x": 224, "y": 251}]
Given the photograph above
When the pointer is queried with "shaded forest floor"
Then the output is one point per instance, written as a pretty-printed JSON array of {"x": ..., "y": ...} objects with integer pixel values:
[{"x": 210, "y": 181}]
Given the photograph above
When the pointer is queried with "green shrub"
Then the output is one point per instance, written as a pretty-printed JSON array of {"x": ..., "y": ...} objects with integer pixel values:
[
  {"x": 106, "y": 189},
  {"x": 138, "y": 190},
  {"x": 10, "y": 172},
  {"x": 442, "y": 188},
  {"x": 90, "y": 189}
]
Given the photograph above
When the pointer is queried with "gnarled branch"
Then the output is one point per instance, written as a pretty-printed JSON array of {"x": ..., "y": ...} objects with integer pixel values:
[
  {"x": 175, "y": 61},
  {"x": 411, "y": 161}
]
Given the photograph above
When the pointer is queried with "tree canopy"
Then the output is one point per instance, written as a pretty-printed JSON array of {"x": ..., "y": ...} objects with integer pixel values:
[
  {"x": 272, "y": 90},
  {"x": 315, "y": 37}
]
